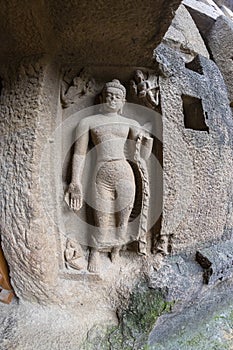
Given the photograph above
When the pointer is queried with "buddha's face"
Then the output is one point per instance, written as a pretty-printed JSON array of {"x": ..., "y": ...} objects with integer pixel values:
[{"x": 113, "y": 100}]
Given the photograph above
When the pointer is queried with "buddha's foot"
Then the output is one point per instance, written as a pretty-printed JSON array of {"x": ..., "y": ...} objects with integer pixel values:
[
  {"x": 94, "y": 261},
  {"x": 115, "y": 254}
]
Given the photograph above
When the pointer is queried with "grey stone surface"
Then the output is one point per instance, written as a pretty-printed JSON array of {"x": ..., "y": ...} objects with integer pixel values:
[
  {"x": 227, "y": 12},
  {"x": 196, "y": 169},
  {"x": 27, "y": 238},
  {"x": 213, "y": 4},
  {"x": 189, "y": 315},
  {"x": 113, "y": 33},
  {"x": 227, "y": 3},
  {"x": 205, "y": 323},
  {"x": 207, "y": 8},
  {"x": 201, "y": 316},
  {"x": 183, "y": 36},
  {"x": 217, "y": 262},
  {"x": 219, "y": 41},
  {"x": 37, "y": 40},
  {"x": 197, "y": 177},
  {"x": 27, "y": 326},
  {"x": 203, "y": 14}
]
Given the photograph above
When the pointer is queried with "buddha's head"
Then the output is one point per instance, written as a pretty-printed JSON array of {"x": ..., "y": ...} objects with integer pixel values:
[{"x": 113, "y": 96}]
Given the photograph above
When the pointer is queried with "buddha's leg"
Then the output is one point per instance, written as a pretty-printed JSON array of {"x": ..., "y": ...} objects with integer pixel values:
[
  {"x": 101, "y": 217},
  {"x": 125, "y": 201},
  {"x": 122, "y": 221}
]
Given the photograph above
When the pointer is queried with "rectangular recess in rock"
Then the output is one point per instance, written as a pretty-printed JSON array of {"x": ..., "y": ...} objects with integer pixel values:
[
  {"x": 194, "y": 117},
  {"x": 195, "y": 65}
]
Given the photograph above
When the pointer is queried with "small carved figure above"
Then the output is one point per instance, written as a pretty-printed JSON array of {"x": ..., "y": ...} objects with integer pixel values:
[
  {"x": 80, "y": 86},
  {"x": 113, "y": 181},
  {"x": 145, "y": 90}
]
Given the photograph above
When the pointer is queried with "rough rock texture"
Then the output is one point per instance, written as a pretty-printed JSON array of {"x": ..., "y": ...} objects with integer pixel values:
[
  {"x": 201, "y": 317},
  {"x": 184, "y": 36},
  {"x": 213, "y": 5},
  {"x": 186, "y": 314},
  {"x": 220, "y": 43},
  {"x": 227, "y": 12},
  {"x": 31, "y": 110},
  {"x": 115, "y": 33},
  {"x": 203, "y": 15},
  {"x": 27, "y": 237},
  {"x": 227, "y": 3},
  {"x": 217, "y": 262},
  {"x": 197, "y": 162},
  {"x": 114, "y": 310}
]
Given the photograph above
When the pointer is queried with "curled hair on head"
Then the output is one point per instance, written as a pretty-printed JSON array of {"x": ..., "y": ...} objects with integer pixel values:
[{"x": 115, "y": 83}]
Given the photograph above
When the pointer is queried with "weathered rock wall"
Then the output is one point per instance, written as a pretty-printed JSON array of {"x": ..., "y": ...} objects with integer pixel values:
[
  {"x": 75, "y": 33},
  {"x": 220, "y": 40},
  {"x": 184, "y": 37},
  {"x": 27, "y": 120},
  {"x": 197, "y": 177},
  {"x": 197, "y": 162},
  {"x": 90, "y": 32}
]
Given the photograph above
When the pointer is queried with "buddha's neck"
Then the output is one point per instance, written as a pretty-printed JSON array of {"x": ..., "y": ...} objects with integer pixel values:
[{"x": 111, "y": 114}]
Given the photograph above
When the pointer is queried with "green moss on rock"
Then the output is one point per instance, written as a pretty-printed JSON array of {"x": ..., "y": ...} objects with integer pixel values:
[
  {"x": 212, "y": 332},
  {"x": 135, "y": 323}
]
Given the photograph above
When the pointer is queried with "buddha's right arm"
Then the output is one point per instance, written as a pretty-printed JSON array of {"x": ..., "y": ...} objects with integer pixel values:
[
  {"x": 74, "y": 195},
  {"x": 80, "y": 150},
  {"x": 77, "y": 169}
]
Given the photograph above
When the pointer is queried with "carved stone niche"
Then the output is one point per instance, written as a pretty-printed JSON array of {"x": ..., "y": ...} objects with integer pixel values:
[{"x": 111, "y": 192}]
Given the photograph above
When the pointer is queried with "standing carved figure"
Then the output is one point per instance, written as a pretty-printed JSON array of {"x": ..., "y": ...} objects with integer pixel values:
[
  {"x": 147, "y": 93},
  {"x": 113, "y": 182}
]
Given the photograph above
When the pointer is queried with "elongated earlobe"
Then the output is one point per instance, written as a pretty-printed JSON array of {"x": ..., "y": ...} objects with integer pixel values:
[
  {"x": 121, "y": 110},
  {"x": 101, "y": 101}
]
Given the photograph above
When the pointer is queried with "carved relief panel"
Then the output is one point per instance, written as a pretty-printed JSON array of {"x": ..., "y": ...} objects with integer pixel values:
[{"x": 108, "y": 172}]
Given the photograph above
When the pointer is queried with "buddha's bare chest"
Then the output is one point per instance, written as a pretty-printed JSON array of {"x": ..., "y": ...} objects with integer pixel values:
[{"x": 103, "y": 133}]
